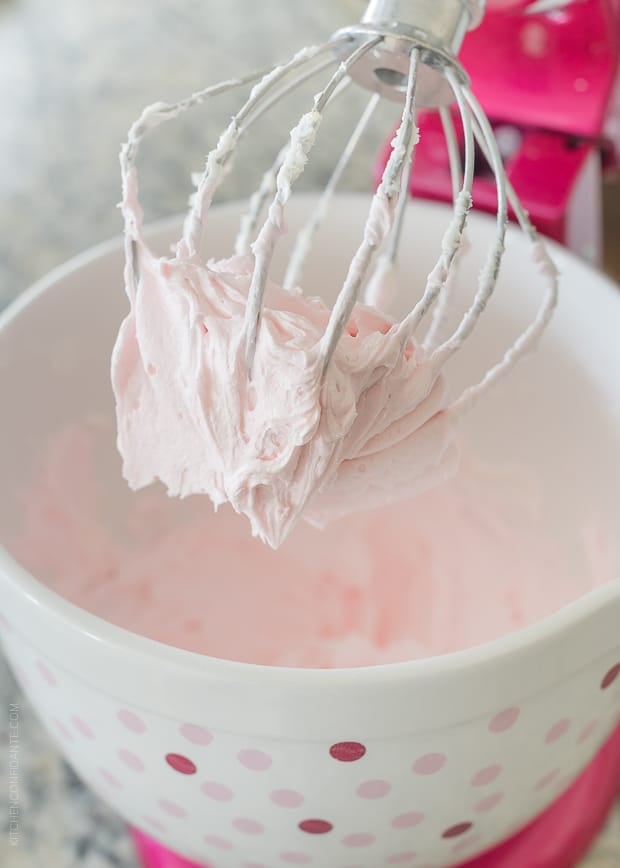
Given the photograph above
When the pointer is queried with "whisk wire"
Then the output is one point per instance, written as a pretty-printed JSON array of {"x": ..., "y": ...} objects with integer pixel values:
[
  {"x": 305, "y": 236},
  {"x": 158, "y": 113},
  {"x": 394, "y": 237},
  {"x": 380, "y": 289},
  {"x": 267, "y": 186},
  {"x": 490, "y": 271},
  {"x": 442, "y": 306},
  {"x": 302, "y": 140},
  {"x": 378, "y": 222},
  {"x": 452, "y": 238},
  {"x": 258, "y": 200},
  {"x": 530, "y": 335},
  {"x": 454, "y": 155},
  {"x": 219, "y": 157}
]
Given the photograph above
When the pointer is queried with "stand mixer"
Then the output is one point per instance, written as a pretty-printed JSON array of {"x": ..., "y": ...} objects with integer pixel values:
[{"x": 126, "y": 708}]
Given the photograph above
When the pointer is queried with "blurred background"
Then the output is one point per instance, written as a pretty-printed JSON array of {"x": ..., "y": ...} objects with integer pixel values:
[{"x": 73, "y": 76}]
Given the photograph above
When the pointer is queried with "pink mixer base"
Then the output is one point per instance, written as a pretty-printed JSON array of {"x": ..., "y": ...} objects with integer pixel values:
[{"x": 558, "y": 838}]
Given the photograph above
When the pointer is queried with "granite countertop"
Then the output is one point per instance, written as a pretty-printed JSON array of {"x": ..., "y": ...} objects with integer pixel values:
[{"x": 73, "y": 75}]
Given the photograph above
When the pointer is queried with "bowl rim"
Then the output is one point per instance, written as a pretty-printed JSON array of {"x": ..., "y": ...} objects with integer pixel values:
[{"x": 77, "y": 619}]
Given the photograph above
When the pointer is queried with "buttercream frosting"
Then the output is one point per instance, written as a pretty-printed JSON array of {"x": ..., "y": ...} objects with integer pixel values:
[
  {"x": 228, "y": 385},
  {"x": 272, "y": 429},
  {"x": 461, "y": 564}
]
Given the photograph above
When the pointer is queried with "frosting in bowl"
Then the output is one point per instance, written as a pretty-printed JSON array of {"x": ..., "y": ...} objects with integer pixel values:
[
  {"x": 463, "y": 563},
  {"x": 288, "y": 440}
]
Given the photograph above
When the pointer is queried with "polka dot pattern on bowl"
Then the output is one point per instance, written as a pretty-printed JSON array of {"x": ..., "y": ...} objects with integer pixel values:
[{"x": 374, "y": 808}]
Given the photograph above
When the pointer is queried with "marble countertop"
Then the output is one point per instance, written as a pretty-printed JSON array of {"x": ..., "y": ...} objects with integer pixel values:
[{"x": 73, "y": 75}]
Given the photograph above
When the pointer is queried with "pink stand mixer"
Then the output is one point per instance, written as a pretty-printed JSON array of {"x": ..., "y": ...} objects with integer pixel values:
[{"x": 545, "y": 73}]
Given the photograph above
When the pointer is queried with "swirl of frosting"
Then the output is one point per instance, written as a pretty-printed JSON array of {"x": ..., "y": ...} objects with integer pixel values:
[{"x": 291, "y": 440}]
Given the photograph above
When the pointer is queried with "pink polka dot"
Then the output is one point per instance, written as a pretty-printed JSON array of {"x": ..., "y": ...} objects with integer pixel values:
[
  {"x": 588, "y": 731},
  {"x": 610, "y": 677},
  {"x": 487, "y": 804},
  {"x": 373, "y": 789},
  {"x": 46, "y": 674},
  {"x": 347, "y": 751},
  {"x": 399, "y": 858},
  {"x": 217, "y": 791},
  {"x": 21, "y": 675},
  {"x": 82, "y": 727},
  {"x": 294, "y": 858},
  {"x": 131, "y": 721},
  {"x": 407, "y": 821},
  {"x": 172, "y": 809},
  {"x": 457, "y": 830},
  {"x": 504, "y": 719},
  {"x": 62, "y": 730},
  {"x": 248, "y": 826},
  {"x": 358, "y": 839},
  {"x": 218, "y": 842},
  {"x": 429, "y": 764},
  {"x": 131, "y": 760},
  {"x": 287, "y": 798},
  {"x": 315, "y": 827},
  {"x": 181, "y": 764},
  {"x": 195, "y": 734},
  {"x": 557, "y": 731},
  {"x": 5, "y": 623},
  {"x": 154, "y": 824},
  {"x": 486, "y": 776},
  {"x": 547, "y": 779},
  {"x": 111, "y": 779},
  {"x": 466, "y": 844},
  {"x": 256, "y": 760},
  {"x": 564, "y": 782}
]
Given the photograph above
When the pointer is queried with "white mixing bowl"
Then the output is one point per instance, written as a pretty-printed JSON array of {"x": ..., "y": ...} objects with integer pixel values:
[{"x": 234, "y": 764}]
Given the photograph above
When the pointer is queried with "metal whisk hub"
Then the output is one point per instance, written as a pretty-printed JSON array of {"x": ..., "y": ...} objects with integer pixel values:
[{"x": 435, "y": 27}]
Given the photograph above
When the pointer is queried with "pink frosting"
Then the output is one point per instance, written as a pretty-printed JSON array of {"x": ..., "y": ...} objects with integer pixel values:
[
  {"x": 286, "y": 441},
  {"x": 264, "y": 398},
  {"x": 463, "y": 563}
]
